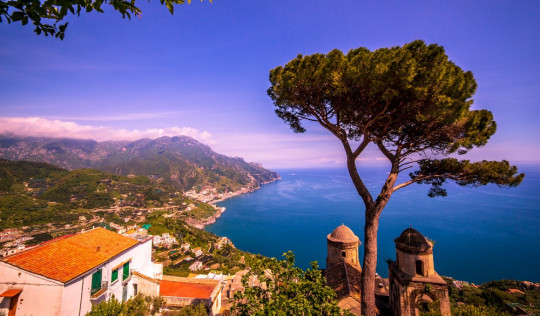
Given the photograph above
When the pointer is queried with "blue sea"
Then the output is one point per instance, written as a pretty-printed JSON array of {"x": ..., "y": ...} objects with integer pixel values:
[{"x": 481, "y": 234}]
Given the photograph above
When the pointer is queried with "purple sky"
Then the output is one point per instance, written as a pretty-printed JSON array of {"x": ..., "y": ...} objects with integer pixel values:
[{"x": 203, "y": 71}]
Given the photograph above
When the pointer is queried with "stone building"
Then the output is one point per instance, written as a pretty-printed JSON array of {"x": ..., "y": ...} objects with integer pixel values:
[
  {"x": 342, "y": 245},
  {"x": 343, "y": 271},
  {"x": 414, "y": 283}
]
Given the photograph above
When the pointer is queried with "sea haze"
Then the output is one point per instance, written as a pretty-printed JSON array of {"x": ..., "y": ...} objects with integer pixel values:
[{"x": 481, "y": 234}]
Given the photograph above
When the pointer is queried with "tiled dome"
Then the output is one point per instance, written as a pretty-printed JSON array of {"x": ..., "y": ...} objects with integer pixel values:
[
  {"x": 343, "y": 234},
  {"x": 411, "y": 239}
]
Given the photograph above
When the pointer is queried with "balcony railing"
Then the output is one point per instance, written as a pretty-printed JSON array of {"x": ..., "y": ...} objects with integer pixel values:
[{"x": 97, "y": 292}]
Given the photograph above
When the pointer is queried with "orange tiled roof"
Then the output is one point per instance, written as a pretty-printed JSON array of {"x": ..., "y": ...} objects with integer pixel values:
[
  {"x": 185, "y": 289},
  {"x": 344, "y": 279},
  {"x": 10, "y": 292},
  {"x": 64, "y": 259}
]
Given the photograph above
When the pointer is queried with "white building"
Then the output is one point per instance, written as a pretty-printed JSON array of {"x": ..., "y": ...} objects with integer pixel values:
[
  {"x": 185, "y": 247},
  {"x": 211, "y": 276},
  {"x": 197, "y": 265},
  {"x": 197, "y": 252},
  {"x": 164, "y": 240},
  {"x": 67, "y": 275}
]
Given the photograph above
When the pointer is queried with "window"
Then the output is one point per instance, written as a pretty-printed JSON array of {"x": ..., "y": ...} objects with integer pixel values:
[
  {"x": 420, "y": 267},
  {"x": 96, "y": 282},
  {"x": 125, "y": 270},
  {"x": 114, "y": 275},
  {"x": 343, "y": 254}
]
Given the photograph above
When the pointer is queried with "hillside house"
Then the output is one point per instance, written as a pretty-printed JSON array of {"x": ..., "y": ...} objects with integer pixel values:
[
  {"x": 178, "y": 292},
  {"x": 197, "y": 265},
  {"x": 185, "y": 247},
  {"x": 8, "y": 234},
  {"x": 222, "y": 241},
  {"x": 197, "y": 252},
  {"x": 67, "y": 275},
  {"x": 165, "y": 240}
]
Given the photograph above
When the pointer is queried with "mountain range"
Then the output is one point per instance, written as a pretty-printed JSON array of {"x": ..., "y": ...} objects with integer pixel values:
[{"x": 180, "y": 161}]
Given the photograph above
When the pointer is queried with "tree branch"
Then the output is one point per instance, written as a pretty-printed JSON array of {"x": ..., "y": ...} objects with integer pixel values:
[
  {"x": 361, "y": 147},
  {"x": 355, "y": 177},
  {"x": 385, "y": 151},
  {"x": 427, "y": 177}
]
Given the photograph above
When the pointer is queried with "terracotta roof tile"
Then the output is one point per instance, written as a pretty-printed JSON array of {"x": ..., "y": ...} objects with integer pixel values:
[
  {"x": 411, "y": 239},
  {"x": 145, "y": 277},
  {"x": 64, "y": 259},
  {"x": 186, "y": 289},
  {"x": 10, "y": 292},
  {"x": 344, "y": 279}
]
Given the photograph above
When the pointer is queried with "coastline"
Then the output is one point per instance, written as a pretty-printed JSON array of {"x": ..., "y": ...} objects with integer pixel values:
[
  {"x": 240, "y": 192},
  {"x": 220, "y": 210},
  {"x": 207, "y": 221}
]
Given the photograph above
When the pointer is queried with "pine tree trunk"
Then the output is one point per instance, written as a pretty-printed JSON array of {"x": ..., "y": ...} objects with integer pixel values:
[
  {"x": 372, "y": 214},
  {"x": 370, "y": 264}
]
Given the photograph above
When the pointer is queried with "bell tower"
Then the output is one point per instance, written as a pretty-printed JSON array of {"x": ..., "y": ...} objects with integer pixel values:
[
  {"x": 414, "y": 283},
  {"x": 343, "y": 246}
]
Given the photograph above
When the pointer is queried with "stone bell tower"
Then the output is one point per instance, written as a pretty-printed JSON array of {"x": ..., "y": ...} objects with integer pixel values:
[
  {"x": 343, "y": 246},
  {"x": 343, "y": 271},
  {"x": 414, "y": 284}
]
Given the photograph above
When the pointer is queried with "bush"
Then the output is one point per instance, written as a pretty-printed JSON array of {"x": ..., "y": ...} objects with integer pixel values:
[
  {"x": 191, "y": 310},
  {"x": 287, "y": 289},
  {"x": 140, "y": 305},
  {"x": 472, "y": 310}
]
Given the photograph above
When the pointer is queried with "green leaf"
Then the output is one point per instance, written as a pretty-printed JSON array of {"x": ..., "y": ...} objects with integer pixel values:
[
  {"x": 35, "y": 10},
  {"x": 170, "y": 6},
  {"x": 17, "y": 16}
]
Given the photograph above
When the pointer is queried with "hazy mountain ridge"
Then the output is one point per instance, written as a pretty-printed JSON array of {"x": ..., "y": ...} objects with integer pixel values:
[{"x": 180, "y": 160}]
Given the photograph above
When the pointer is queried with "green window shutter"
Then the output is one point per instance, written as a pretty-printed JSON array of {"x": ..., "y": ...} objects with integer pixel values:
[
  {"x": 114, "y": 276},
  {"x": 125, "y": 271},
  {"x": 96, "y": 282}
]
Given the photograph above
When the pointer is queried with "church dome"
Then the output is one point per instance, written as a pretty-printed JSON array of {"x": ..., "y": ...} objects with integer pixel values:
[
  {"x": 410, "y": 239},
  {"x": 343, "y": 234}
]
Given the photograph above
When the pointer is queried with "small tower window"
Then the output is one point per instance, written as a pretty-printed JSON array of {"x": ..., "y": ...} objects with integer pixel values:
[
  {"x": 420, "y": 267},
  {"x": 343, "y": 254}
]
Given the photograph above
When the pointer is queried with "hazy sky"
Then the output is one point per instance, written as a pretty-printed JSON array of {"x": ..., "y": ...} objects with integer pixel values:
[{"x": 203, "y": 71}]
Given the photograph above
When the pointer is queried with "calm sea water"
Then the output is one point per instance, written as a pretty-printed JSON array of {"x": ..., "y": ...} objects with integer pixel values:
[{"x": 481, "y": 234}]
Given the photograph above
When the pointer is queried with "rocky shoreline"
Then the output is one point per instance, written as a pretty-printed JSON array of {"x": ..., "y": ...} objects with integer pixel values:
[{"x": 211, "y": 220}]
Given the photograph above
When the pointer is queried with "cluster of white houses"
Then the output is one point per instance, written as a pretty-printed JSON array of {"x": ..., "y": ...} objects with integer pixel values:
[
  {"x": 13, "y": 241},
  {"x": 165, "y": 240},
  {"x": 67, "y": 275}
]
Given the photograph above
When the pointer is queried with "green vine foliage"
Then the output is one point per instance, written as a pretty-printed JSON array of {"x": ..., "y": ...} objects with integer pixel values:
[
  {"x": 431, "y": 309},
  {"x": 277, "y": 287}
]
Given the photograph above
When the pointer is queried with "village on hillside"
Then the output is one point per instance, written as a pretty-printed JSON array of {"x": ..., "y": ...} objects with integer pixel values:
[
  {"x": 152, "y": 243},
  {"x": 194, "y": 258}
]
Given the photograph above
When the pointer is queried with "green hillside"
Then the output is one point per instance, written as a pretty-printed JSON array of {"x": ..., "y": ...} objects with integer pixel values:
[{"x": 33, "y": 193}]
